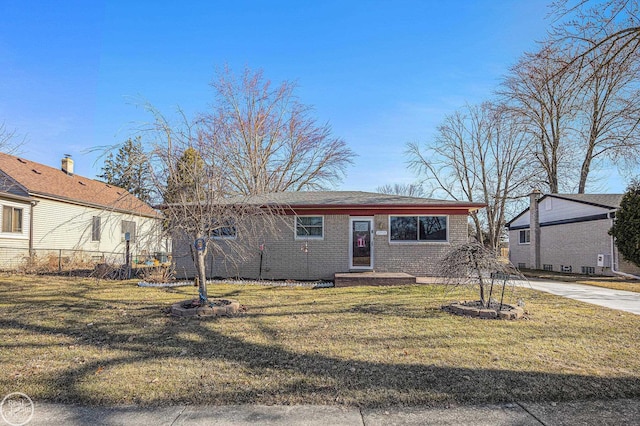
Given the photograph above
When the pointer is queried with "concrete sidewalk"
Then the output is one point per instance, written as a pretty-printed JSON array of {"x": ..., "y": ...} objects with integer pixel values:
[
  {"x": 613, "y": 412},
  {"x": 627, "y": 301}
]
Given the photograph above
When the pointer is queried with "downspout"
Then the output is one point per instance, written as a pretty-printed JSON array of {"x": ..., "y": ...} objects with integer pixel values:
[
  {"x": 33, "y": 204},
  {"x": 613, "y": 256}
]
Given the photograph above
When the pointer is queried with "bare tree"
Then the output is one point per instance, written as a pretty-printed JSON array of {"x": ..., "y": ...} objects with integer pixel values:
[
  {"x": 9, "y": 142},
  {"x": 216, "y": 172},
  {"x": 269, "y": 141},
  {"x": 604, "y": 30},
  {"x": 546, "y": 100},
  {"x": 409, "y": 190},
  {"x": 609, "y": 113},
  {"x": 471, "y": 264},
  {"x": 480, "y": 154},
  {"x": 605, "y": 41},
  {"x": 199, "y": 204}
]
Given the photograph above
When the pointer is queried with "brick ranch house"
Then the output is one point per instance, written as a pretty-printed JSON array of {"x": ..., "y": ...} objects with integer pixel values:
[
  {"x": 568, "y": 233},
  {"x": 51, "y": 214},
  {"x": 327, "y": 232}
]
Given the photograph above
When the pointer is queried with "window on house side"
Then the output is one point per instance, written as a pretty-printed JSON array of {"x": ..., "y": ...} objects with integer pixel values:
[
  {"x": 11, "y": 219},
  {"x": 588, "y": 270},
  {"x": 525, "y": 236},
  {"x": 310, "y": 227},
  {"x": 129, "y": 227},
  {"x": 95, "y": 228},
  {"x": 227, "y": 231}
]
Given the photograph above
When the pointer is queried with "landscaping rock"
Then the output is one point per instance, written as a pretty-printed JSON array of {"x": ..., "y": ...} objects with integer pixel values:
[
  {"x": 215, "y": 308},
  {"x": 475, "y": 309}
]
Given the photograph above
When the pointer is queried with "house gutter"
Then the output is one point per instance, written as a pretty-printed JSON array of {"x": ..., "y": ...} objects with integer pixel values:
[{"x": 613, "y": 256}]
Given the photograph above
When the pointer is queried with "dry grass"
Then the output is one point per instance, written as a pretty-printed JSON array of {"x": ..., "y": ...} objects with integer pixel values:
[
  {"x": 629, "y": 285},
  {"x": 100, "y": 342},
  {"x": 614, "y": 283}
]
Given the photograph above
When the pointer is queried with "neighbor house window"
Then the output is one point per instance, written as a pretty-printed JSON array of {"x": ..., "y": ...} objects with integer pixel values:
[
  {"x": 525, "y": 236},
  {"x": 95, "y": 228},
  {"x": 418, "y": 228},
  {"x": 11, "y": 219},
  {"x": 310, "y": 227},
  {"x": 588, "y": 270},
  {"x": 547, "y": 267},
  {"x": 227, "y": 231},
  {"x": 129, "y": 227}
]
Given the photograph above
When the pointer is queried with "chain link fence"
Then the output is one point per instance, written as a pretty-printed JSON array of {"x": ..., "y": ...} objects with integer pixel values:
[{"x": 101, "y": 263}]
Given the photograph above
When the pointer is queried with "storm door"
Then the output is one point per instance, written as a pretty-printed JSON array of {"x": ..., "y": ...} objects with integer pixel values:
[{"x": 361, "y": 243}]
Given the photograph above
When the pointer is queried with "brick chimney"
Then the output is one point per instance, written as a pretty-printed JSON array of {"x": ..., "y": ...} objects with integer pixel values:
[
  {"x": 67, "y": 165},
  {"x": 534, "y": 230}
]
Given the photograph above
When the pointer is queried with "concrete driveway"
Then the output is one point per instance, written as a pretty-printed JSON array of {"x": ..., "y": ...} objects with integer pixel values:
[{"x": 627, "y": 301}]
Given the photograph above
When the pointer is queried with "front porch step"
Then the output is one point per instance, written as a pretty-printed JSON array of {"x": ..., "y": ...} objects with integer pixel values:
[{"x": 350, "y": 279}]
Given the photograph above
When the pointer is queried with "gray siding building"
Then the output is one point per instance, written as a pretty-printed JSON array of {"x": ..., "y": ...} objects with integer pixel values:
[{"x": 571, "y": 236}]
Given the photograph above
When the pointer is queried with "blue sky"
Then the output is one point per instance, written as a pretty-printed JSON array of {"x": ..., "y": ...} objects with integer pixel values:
[{"x": 383, "y": 73}]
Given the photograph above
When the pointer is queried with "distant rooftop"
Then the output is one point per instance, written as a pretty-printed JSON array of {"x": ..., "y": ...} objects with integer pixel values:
[
  {"x": 355, "y": 198},
  {"x": 27, "y": 178},
  {"x": 602, "y": 200}
]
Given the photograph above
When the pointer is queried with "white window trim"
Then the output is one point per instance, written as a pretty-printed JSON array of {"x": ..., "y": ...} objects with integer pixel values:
[
  {"x": 135, "y": 230},
  {"x": 93, "y": 218},
  {"x": 225, "y": 237},
  {"x": 418, "y": 242},
  {"x": 371, "y": 220},
  {"x": 210, "y": 232},
  {"x": 22, "y": 235},
  {"x": 525, "y": 243},
  {"x": 306, "y": 237}
]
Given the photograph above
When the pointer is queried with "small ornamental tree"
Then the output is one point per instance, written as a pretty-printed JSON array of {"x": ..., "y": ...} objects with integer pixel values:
[
  {"x": 472, "y": 265},
  {"x": 626, "y": 228}
]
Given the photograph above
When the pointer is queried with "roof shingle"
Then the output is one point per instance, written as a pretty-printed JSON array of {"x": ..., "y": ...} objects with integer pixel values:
[
  {"x": 355, "y": 198},
  {"x": 40, "y": 180}
]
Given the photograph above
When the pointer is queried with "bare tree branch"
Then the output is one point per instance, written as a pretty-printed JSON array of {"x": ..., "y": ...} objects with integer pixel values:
[
  {"x": 216, "y": 172},
  {"x": 479, "y": 155},
  {"x": 269, "y": 140},
  {"x": 9, "y": 142}
]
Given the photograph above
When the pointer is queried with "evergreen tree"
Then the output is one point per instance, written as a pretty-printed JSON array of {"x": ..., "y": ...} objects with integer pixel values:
[
  {"x": 129, "y": 170},
  {"x": 186, "y": 181},
  {"x": 109, "y": 170},
  {"x": 626, "y": 228}
]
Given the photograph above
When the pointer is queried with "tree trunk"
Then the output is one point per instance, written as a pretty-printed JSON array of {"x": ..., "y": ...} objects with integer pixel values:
[
  {"x": 202, "y": 275},
  {"x": 480, "y": 282}
]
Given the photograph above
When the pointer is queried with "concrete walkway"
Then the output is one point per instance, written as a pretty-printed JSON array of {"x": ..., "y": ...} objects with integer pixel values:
[
  {"x": 614, "y": 412},
  {"x": 627, "y": 301}
]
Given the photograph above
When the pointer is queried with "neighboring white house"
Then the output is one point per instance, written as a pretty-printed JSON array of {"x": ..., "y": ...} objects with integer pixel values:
[
  {"x": 49, "y": 212},
  {"x": 571, "y": 235}
]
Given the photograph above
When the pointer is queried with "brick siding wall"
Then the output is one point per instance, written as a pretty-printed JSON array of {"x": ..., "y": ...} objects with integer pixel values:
[
  {"x": 418, "y": 259},
  {"x": 285, "y": 257}
]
